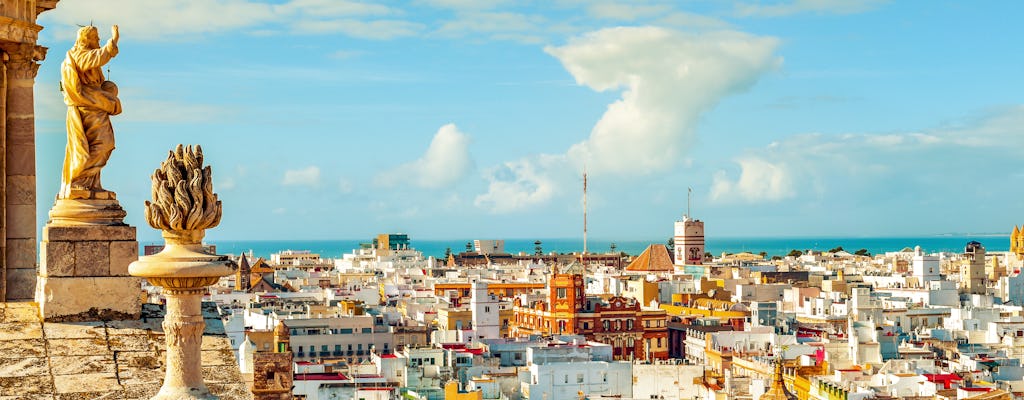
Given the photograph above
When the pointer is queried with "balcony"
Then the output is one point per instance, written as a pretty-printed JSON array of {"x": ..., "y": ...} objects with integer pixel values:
[
  {"x": 325, "y": 353},
  {"x": 300, "y": 354},
  {"x": 336, "y": 353}
]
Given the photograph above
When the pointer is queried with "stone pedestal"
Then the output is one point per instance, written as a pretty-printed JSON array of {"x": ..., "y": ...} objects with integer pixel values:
[{"x": 83, "y": 273}]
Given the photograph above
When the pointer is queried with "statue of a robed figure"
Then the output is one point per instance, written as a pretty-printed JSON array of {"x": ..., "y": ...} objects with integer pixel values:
[{"x": 91, "y": 100}]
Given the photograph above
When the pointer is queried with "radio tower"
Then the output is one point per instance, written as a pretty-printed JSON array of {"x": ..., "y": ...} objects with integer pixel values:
[{"x": 584, "y": 214}]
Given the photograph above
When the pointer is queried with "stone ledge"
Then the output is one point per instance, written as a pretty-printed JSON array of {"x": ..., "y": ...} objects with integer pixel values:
[
  {"x": 88, "y": 298},
  {"x": 86, "y": 363}
]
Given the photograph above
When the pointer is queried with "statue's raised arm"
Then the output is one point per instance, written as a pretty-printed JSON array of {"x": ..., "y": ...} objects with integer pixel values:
[{"x": 91, "y": 100}]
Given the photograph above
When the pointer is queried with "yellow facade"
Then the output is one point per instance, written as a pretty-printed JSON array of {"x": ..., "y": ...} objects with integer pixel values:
[
  {"x": 451, "y": 392},
  {"x": 449, "y": 320}
]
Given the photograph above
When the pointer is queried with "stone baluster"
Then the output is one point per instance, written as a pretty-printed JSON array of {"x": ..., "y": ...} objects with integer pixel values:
[{"x": 183, "y": 207}]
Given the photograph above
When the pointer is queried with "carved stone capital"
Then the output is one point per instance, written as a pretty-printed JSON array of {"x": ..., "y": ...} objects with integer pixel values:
[
  {"x": 22, "y": 59},
  {"x": 19, "y": 30}
]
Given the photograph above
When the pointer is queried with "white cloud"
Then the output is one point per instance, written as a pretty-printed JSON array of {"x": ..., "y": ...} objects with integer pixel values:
[
  {"x": 467, "y": 4},
  {"x": 785, "y": 8},
  {"x": 668, "y": 78},
  {"x": 159, "y": 19},
  {"x": 759, "y": 181},
  {"x": 332, "y": 8},
  {"x": 495, "y": 25},
  {"x": 345, "y": 185},
  {"x": 445, "y": 162},
  {"x": 176, "y": 20},
  {"x": 226, "y": 183},
  {"x": 376, "y": 29},
  {"x": 818, "y": 164},
  {"x": 309, "y": 176},
  {"x": 517, "y": 185},
  {"x": 626, "y": 11}
]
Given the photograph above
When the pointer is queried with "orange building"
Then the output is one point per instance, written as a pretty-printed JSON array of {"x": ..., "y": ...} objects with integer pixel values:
[{"x": 633, "y": 332}]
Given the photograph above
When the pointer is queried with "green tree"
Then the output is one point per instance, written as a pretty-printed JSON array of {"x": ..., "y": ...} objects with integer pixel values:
[
  {"x": 836, "y": 250},
  {"x": 863, "y": 252},
  {"x": 795, "y": 253}
]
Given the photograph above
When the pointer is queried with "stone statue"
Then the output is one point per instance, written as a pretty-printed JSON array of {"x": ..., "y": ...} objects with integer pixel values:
[{"x": 91, "y": 100}]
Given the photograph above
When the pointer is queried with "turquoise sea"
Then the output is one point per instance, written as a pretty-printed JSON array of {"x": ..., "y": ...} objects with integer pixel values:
[{"x": 773, "y": 246}]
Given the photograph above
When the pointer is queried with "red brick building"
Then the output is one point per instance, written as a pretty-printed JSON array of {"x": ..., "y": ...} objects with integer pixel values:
[{"x": 632, "y": 331}]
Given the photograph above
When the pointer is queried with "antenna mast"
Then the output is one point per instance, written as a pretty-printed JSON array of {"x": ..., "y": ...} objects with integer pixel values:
[
  {"x": 689, "y": 193},
  {"x": 584, "y": 212}
]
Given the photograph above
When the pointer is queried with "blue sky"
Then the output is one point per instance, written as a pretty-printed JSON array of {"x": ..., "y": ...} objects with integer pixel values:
[{"x": 334, "y": 119}]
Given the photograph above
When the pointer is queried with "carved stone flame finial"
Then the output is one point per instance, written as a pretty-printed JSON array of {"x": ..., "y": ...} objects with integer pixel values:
[{"x": 184, "y": 204}]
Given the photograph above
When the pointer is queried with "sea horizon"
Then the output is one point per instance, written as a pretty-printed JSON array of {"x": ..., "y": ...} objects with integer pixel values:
[{"x": 780, "y": 245}]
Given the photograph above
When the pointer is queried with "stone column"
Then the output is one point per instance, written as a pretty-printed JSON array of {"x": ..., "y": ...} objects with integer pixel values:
[
  {"x": 20, "y": 170},
  {"x": 3, "y": 174},
  {"x": 183, "y": 330}
]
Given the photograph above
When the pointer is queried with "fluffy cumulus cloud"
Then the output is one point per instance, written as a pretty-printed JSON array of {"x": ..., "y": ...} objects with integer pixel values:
[
  {"x": 668, "y": 79},
  {"x": 445, "y": 162},
  {"x": 518, "y": 185},
  {"x": 818, "y": 164},
  {"x": 759, "y": 179},
  {"x": 309, "y": 176}
]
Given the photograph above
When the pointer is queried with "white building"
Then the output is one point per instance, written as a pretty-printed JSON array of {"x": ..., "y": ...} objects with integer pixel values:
[
  {"x": 565, "y": 380},
  {"x": 925, "y": 267},
  {"x": 689, "y": 241},
  {"x": 485, "y": 307},
  {"x": 489, "y": 246}
]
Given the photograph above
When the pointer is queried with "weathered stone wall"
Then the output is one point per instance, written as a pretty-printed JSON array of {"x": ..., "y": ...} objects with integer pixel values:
[
  {"x": 272, "y": 376},
  {"x": 121, "y": 359}
]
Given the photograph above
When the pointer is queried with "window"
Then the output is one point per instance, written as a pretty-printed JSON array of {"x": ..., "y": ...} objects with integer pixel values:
[
  {"x": 579, "y": 378},
  {"x": 337, "y": 347},
  {"x": 629, "y": 324},
  {"x": 367, "y": 330},
  {"x": 518, "y": 357},
  {"x": 561, "y": 294},
  {"x": 647, "y": 323},
  {"x": 604, "y": 376},
  {"x": 566, "y": 378},
  {"x": 659, "y": 342},
  {"x": 323, "y": 348},
  {"x": 487, "y": 308}
]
